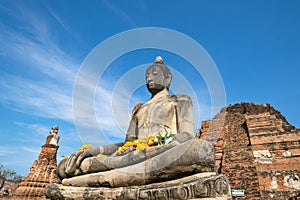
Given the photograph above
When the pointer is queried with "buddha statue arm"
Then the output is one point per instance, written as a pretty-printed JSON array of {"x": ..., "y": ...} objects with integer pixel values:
[
  {"x": 72, "y": 165},
  {"x": 132, "y": 129},
  {"x": 185, "y": 123}
]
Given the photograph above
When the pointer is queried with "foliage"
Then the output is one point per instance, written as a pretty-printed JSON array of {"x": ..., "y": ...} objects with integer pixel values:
[
  {"x": 164, "y": 139},
  {"x": 58, "y": 179},
  {"x": 8, "y": 174}
]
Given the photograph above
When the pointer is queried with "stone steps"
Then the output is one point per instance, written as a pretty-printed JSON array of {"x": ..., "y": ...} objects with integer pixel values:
[
  {"x": 263, "y": 123},
  {"x": 273, "y": 138}
]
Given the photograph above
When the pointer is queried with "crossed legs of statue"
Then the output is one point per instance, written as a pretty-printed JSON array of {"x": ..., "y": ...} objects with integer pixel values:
[{"x": 154, "y": 164}]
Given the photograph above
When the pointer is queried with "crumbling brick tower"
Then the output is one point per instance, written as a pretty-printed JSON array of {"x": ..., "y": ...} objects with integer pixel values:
[
  {"x": 257, "y": 149},
  {"x": 42, "y": 171}
]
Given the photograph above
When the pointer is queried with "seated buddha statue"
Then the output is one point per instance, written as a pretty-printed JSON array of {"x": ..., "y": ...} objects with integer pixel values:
[{"x": 169, "y": 116}]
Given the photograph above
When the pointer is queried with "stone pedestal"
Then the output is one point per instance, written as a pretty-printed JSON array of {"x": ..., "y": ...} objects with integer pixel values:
[
  {"x": 42, "y": 172},
  {"x": 199, "y": 186}
]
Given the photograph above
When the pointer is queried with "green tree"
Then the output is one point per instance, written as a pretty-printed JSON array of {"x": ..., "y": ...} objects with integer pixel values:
[{"x": 8, "y": 174}]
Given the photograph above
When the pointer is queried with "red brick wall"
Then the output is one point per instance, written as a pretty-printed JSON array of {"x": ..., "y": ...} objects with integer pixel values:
[{"x": 257, "y": 149}]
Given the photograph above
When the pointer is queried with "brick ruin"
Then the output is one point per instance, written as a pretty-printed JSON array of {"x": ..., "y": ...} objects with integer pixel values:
[
  {"x": 257, "y": 149},
  {"x": 7, "y": 187},
  {"x": 42, "y": 172}
]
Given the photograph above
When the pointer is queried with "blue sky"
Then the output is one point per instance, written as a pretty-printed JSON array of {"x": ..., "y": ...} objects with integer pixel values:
[{"x": 254, "y": 44}]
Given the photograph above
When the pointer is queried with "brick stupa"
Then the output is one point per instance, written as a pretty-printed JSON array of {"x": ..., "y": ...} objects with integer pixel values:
[
  {"x": 42, "y": 171},
  {"x": 257, "y": 149}
]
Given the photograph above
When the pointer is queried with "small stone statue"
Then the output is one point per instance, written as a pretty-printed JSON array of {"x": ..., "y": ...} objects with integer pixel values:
[
  {"x": 164, "y": 114},
  {"x": 53, "y": 138}
]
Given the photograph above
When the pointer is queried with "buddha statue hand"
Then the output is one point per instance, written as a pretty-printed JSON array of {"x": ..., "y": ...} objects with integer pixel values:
[
  {"x": 72, "y": 165},
  {"x": 183, "y": 137}
]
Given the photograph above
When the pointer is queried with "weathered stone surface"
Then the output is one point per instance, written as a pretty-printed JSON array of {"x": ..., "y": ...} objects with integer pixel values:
[
  {"x": 7, "y": 188},
  {"x": 191, "y": 157},
  {"x": 202, "y": 185},
  {"x": 164, "y": 115},
  {"x": 117, "y": 175},
  {"x": 42, "y": 171},
  {"x": 258, "y": 150}
]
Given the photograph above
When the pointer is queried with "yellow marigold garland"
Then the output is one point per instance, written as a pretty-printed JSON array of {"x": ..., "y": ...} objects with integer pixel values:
[
  {"x": 137, "y": 144},
  {"x": 85, "y": 146},
  {"x": 146, "y": 142}
]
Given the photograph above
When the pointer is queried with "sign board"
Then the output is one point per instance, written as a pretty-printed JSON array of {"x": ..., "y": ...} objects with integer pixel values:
[{"x": 237, "y": 193}]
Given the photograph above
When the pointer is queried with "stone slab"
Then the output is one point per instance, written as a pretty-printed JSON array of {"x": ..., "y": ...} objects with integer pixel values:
[{"x": 199, "y": 186}]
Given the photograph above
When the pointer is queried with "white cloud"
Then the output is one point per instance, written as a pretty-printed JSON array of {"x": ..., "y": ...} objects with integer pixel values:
[
  {"x": 96, "y": 122},
  {"x": 5, "y": 151},
  {"x": 118, "y": 11},
  {"x": 35, "y": 128},
  {"x": 35, "y": 47},
  {"x": 31, "y": 149},
  {"x": 112, "y": 111},
  {"x": 43, "y": 55},
  {"x": 31, "y": 45},
  {"x": 41, "y": 99},
  {"x": 58, "y": 19},
  {"x": 18, "y": 158}
]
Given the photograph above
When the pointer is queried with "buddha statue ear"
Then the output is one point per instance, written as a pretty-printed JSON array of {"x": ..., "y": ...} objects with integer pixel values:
[{"x": 169, "y": 78}]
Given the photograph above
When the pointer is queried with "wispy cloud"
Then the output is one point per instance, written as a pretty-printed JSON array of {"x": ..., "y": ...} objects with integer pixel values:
[
  {"x": 31, "y": 149},
  {"x": 5, "y": 151},
  {"x": 19, "y": 158},
  {"x": 118, "y": 11},
  {"x": 62, "y": 22},
  {"x": 106, "y": 114},
  {"x": 58, "y": 19},
  {"x": 40, "y": 53},
  {"x": 112, "y": 111},
  {"x": 35, "y": 128},
  {"x": 50, "y": 97},
  {"x": 41, "y": 99},
  {"x": 31, "y": 44}
]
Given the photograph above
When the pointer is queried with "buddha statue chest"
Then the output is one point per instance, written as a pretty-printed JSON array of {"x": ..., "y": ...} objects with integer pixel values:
[{"x": 157, "y": 116}]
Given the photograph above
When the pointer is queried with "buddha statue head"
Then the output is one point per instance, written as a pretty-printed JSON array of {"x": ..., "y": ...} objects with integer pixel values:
[{"x": 158, "y": 76}]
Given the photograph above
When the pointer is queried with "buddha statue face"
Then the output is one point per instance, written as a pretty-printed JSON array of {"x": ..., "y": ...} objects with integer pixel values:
[{"x": 158, "y": 77}]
